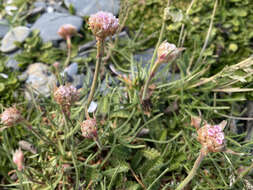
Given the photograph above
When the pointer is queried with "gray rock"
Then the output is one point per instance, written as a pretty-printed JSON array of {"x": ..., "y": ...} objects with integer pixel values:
[
  {"x": 71, "y": 70},
  {"x": 163, "y": 74},
  {"x": 78, "y": 81},
  {"x": 144, "y": 57},
  {"x": 88, "y": 7},
  {"x": 93, "y": 106},
  {"x": 19, "y": 34},
  {"x": 51, "y": 6},
  {"x": 39, "y": 80},
  {"x": 49, "y": 23},
  {"x": 40, "y": 4},
  {"x": 4, "y": 28},
  {"x": 12, "y": 62}
]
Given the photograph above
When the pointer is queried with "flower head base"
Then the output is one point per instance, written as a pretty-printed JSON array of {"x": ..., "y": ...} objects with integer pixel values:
[
  {"x": 212, "y": 137},
  {"x": 66, "y": 95},
  {"x": 168, "y": 52},
  {"x": 197, "y": 122},
  {"x": 67, "y": 30},
  {"x": 18, "y": 159},
  {"x": 11, "y": 116},
  {"x": 89, "y": 129},
  {"x": 103, "y": 24}
]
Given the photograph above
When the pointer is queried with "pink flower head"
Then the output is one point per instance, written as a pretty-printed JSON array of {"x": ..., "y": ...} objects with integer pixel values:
[
  {"x": 89, "y": 129},
  {"x": 66, "y": 95},
  {"x": 212, "y": 137},
  {"x": 10, "y": 116},
  {"x": 211, "y": 132},
  {"x": 215, "y": 131},
  {"x": 219, "y": 141},
  {"x": 168, "y": 52},
  {"x": 67, "y": 30},
  {"x": 217, "y": 128},
  {"x": 103, "y": 24},
  {"x": 18, "y": 159}
]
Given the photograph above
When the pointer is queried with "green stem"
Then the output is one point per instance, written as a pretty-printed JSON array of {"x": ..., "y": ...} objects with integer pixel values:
[
  {"x": 192, "y": 172},
  {"x": 100, "y": 52},
  {"x": 69, "y": 51},
  {"x": 158, "y": 43},
  {"x": 153, "y": 65},
  {"x": 150, "y": 76}
]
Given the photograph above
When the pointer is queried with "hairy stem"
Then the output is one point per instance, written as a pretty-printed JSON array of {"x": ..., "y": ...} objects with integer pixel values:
[
  {"x": 192, "y": 172},
  {"x": 100, "y": 52},
  {"x": 150, "y": 76}
]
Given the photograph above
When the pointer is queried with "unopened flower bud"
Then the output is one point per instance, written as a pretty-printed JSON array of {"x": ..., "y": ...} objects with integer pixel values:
[
  {"x": 18, "y": 159},
  {"x": 11, "y": 116},
  {"x": 89, "y": 129},
  {"x": 212, "y": 137},
  {"x": 66, "y": 95},
  {"x": 103, "y": 24},
  {"x": 67, "y": 30},
  {"x": 56, "y": 65},
  {"x": 168, "y": 52},
  {"x": 197, "y": 122}
]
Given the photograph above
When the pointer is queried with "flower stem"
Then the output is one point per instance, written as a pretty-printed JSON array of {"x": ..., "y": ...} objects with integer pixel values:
[
  {"x": 69, "y": 51},
  {"x": 150, "y": 76},
  {"x": 100, "y": 52},
  {"x": 192, "y": 172},
  {"x": 97, "y": 141}
]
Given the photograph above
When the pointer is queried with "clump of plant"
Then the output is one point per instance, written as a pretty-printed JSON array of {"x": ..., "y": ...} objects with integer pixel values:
[
  {"x": 230, "y": 39},
  {"x": 123, "y": 145}
]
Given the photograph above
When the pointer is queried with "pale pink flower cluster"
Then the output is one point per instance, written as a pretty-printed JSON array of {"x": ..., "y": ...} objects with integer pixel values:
[
  {"x": 89, "y": 129},
  {"x": 67, "y": 30},
  {"x": 215, "y": 131},
  {"x": 18, "y": 159},
  {"x": 10, "y": 116},
  {"x": 167, "y": 52},
  {"x": 212, "y": 137},
  {"x": 103, "y": 24},
  {"x": 66, "y": 95}
]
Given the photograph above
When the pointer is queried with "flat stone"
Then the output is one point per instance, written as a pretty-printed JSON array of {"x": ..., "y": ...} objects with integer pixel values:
[
  {"x": 71, "y": 70},
  {"x": 49, "y": 23},
  {"x": 18, "y": 34},
  {"x": 39, "y": 80},
  {"x": 88, "y": 7},
  {"x": 12, "y": 62},
  {"x": 4, "y": 28}
]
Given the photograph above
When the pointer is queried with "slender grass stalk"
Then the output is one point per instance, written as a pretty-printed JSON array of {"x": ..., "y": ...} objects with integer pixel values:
[
  {"x": 97, "y": 141},
  {"x": 29, "y": 127},
  {"x": 208, "y": 32},
  {"x": 192, "y": 172},
  {"x": 100, "y": 53},
  {"x": 245, "y": 172}
]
